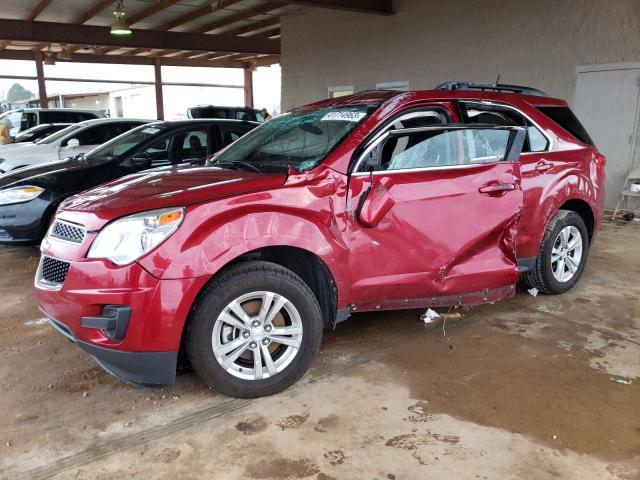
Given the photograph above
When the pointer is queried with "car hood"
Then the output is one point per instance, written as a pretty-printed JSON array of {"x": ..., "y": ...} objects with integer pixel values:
[
  {"x": 169, "y": 187},
  {"x": 46, "y": 175},
  {"x": 20, "y": 150}
]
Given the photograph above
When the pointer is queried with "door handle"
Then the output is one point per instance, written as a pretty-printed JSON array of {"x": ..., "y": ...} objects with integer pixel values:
[
  {"x": 543, "y": 166},
  {"x": 497, "y": 189}
]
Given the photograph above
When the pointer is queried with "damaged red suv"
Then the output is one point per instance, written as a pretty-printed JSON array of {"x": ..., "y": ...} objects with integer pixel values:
[{"x": 375, "y": 201}]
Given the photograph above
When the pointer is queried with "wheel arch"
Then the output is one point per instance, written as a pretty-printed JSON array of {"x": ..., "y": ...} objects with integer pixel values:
[
  {"x": 585, "y": 211},
  {"x": 307, "y": 265}
]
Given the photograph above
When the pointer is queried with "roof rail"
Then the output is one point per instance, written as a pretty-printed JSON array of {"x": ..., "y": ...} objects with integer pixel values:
[{"x": 494, "y": 87}]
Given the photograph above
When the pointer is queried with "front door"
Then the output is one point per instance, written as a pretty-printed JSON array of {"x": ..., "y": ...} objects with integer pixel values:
[{"x": 436, "y": 211}]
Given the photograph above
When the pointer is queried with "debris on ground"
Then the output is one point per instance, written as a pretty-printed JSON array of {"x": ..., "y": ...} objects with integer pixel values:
[
  {"x": 621, "y": 380},
  {"x": 533, "y": 291},
  {"x": 429, "y": 315}
]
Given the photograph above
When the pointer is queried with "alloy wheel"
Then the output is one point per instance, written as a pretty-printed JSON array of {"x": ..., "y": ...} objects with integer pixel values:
[
  {"x": 257, "y": 335},
  {"x": 566, "y": 254}
]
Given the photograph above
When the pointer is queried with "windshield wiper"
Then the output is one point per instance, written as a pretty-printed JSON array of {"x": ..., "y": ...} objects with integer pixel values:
[{"x": 237, "y": 162}]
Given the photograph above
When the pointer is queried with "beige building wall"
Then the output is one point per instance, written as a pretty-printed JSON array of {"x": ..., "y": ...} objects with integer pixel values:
[{"x": 537, "y": 43}]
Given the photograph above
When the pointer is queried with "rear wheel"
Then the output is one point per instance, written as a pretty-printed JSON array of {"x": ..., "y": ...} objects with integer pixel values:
[
  {"x": 254, "y": 331},
  {"x": 562, "y": 256}
]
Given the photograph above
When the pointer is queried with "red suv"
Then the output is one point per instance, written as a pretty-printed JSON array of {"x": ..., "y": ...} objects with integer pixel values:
[{"x": 376, "y": 201}]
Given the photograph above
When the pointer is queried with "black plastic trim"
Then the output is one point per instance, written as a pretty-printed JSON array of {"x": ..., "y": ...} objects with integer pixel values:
[
  {"x": 114, "y": 321},
  {"x": 526, "y": 264},
  {"x": 151, "y": 369}
]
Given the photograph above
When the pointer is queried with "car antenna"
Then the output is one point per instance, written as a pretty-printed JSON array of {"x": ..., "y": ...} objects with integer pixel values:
[{"x": 497, "y": 81}]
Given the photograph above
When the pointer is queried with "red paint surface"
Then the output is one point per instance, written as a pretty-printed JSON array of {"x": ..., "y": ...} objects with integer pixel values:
[{"x": 427, "y": 238}]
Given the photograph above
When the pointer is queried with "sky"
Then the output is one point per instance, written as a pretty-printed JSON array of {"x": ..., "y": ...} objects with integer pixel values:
[{"x": 266, "y": 79}]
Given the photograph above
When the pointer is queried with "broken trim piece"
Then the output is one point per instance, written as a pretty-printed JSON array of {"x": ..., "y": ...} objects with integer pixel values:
[{"x": 488, "y": 295}]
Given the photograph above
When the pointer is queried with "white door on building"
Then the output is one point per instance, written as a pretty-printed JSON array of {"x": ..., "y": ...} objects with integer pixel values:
[{"x": 607, "y": 102}]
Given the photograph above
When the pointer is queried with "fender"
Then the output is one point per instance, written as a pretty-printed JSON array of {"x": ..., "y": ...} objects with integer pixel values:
[{"x": 299, "y": 214}]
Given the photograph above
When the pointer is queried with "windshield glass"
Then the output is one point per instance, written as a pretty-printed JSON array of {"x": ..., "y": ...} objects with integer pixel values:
[
  {"x": 58, "y": 135},
  {"x": 123, "y": 144},
  {"x": 301, "y": 140}
]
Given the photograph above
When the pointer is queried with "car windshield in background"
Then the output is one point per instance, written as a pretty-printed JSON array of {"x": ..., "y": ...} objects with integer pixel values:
[
  {"x": 60, "y": 134},
  {"x": 122, "y": 144},
  {"x": 301, "y": 140}
]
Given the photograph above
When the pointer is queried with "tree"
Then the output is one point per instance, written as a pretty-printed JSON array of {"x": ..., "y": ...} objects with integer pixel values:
[{"x": 17, "y": 92}]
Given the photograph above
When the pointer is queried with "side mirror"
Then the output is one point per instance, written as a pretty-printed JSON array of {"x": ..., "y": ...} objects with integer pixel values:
[
  {"x": 141, "y": 161},
  {"x": 73, "y": 143}
]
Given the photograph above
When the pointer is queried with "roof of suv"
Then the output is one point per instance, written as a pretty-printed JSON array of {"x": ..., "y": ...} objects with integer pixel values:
[{"x": 377, "y": 97}]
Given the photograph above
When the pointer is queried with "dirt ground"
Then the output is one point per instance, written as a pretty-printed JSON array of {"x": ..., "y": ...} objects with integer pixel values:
[{"x": 515, "y": 390}]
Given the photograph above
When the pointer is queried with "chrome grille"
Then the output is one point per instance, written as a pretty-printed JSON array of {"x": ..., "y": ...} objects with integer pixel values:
[
  {"x": 67, "y": 232},
  {"x": 53, "y": 271}
]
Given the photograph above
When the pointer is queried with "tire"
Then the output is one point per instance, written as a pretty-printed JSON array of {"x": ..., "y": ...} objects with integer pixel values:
[
  {"x": 215, "y": 326},
  {"x": 545, "y": 274}
]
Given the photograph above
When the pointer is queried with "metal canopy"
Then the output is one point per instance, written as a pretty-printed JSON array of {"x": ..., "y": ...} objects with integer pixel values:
[{"x": 217, "y": 33}]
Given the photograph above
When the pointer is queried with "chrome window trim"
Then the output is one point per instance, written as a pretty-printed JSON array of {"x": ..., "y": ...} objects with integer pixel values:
[
  {"x": 432, "y": 112},
  {"x": 519, "y": 112},
  {"x": 388, "y": 133}
]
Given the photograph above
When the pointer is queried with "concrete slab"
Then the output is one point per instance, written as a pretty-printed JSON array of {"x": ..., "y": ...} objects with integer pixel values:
[{"x": 516, "y": 390}]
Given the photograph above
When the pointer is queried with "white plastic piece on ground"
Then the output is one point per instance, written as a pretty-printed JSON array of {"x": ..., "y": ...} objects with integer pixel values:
[
  {"x": 533, "y": 292},
  {"x": 429, "y": 315}
]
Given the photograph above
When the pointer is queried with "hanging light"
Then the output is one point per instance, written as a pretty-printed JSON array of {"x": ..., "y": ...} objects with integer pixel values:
[
  {"x": 119, "y": 25},
  {"x": 64, "y": 53},
  {"x": 49, "y": 57}
]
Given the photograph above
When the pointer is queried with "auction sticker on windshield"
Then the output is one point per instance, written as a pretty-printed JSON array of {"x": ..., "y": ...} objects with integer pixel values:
[{"x": 344, "y": 116}]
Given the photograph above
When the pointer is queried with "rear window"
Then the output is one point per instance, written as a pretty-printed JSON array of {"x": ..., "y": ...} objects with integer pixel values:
[{"x": 564, "y": 117}]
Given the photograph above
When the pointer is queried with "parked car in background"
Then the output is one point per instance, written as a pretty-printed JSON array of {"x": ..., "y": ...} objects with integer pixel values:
[
  {"x": 39, "y": 132},
  {"x": 30, "y": 196},
  {"x": 23, "y": 119},
  {"x": 68, "y": 142},
  {"x": 376, "y": 201},
  {"x": 236, "y": 113}
]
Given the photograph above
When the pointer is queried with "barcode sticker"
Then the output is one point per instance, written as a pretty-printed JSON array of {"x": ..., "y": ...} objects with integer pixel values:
[{"x": 343, "y": 116}]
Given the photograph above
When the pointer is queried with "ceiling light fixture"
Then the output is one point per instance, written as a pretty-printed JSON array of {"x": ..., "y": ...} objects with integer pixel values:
[
  {"x": 49, "y": 57},
  {"x": 64, "y": 53},
  {"x": 119, "y": 25}
]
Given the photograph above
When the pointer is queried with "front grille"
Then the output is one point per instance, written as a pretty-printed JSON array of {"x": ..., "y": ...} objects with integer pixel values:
[
  {"x": 54, "y": 271},
  {"x": 67, "y": 232}
]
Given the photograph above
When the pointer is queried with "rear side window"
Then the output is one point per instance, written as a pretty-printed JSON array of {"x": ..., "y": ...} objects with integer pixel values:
[
  {"x": 495, "y": 115},
  {"x": 564, "y": 117},
  {"x": 230, "y": 133}
]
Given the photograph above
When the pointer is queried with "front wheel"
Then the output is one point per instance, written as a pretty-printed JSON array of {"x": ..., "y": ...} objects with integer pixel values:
[
  {"x": 254, "y": 331},
  {"x": 562, "y": 256}
]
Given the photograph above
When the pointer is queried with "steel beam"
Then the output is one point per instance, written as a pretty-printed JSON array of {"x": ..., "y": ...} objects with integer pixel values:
[
  {"x": 379, "y": 7},
  {"x": 50, "y": 32}
]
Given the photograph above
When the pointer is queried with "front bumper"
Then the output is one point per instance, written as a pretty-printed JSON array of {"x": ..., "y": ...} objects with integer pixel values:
[
  {"x": 142, "y": 368},
  {"x": 24, "y": 223},
  {"x": 147, "y": 353}
]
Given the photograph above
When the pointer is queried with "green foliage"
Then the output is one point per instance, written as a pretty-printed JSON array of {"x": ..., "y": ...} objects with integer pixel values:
[{"x": 17, "y": 92}]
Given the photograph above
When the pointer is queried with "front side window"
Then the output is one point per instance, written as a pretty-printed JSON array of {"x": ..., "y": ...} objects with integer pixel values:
[
  {"x": 301, "y": 140},
  {"x": 65, "y": 133},
  {"x": 433, "y": 148},
  {"x": 126, "y": 143}
]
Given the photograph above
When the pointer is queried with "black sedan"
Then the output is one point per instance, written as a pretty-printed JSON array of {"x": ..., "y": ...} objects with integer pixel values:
[{"x": 30, "y": 196}]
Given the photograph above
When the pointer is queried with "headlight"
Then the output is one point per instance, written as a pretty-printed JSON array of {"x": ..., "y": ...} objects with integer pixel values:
[
  {"x": 19, "y": 194},
  {"x": 129, "y": 238}
]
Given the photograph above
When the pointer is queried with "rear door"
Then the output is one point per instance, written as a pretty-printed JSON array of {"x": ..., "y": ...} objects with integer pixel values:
[
  {"x": 436, "y": 217},
  {"x": 539, "y": 166}
]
